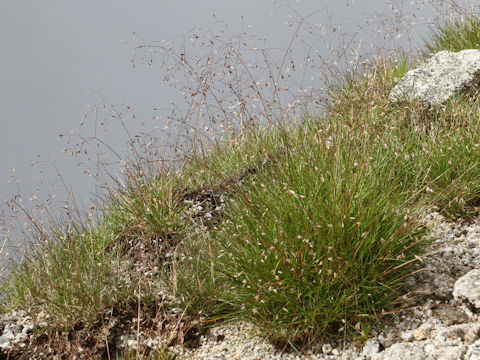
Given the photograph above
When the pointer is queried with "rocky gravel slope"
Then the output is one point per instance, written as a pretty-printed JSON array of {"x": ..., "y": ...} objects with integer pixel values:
[{"x": 443, "y": 321}]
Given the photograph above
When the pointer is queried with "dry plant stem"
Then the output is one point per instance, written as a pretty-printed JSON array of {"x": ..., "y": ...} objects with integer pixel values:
[{"x": 139, "y": 315}]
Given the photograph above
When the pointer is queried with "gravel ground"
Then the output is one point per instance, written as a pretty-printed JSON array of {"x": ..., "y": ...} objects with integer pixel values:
[{"x": 443, "y": 323}]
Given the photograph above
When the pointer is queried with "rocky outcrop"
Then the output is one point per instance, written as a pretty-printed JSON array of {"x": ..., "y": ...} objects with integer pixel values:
[{"x": 443, "y": 75}]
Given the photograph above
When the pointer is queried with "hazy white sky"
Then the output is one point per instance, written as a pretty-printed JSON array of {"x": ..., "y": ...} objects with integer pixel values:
[{"x": 54, "y": 51}]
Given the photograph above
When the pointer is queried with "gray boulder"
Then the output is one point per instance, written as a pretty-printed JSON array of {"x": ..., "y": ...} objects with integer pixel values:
[
  {"x": 468, "y": 287},
  {"x": 439, "y": 78}
]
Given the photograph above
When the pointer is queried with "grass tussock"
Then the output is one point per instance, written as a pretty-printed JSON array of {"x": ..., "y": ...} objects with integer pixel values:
[
  {"x": 71, "y": 276},
  {"x": 309, "y": 230},
  {"x": 315, "y": 245},
  {"x": 455, "y": 35}
]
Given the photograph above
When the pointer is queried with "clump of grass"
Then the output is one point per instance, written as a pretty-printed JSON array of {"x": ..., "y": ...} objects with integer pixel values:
[
  {"x": 455, "y": 36},
  {"x": 453, "y": 140},
  {"x": 77, "y": 268},
  {"x": 316, "y": 245},
  {"x": 146, "y": 208},
  {"x": 442, "y": 139},
  {"x": 69, "y": 275},
  {"x": 227, "y": 160}
]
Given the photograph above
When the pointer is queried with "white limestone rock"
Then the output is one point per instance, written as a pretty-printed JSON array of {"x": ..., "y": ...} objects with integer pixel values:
[
  {"x": 439, "y": 78},
  {"x": 468, "y": 287}
]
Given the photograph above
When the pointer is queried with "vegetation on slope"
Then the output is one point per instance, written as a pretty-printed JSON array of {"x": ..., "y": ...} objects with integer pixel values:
[{"x": 308, "y": 230}]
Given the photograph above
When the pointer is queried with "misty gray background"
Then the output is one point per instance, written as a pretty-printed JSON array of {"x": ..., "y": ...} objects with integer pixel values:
[{"x": 53, "y": 52}]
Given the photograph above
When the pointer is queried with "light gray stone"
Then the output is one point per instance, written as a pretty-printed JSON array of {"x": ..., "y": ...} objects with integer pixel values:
[
  {"x": 444, "y": 74},
  {"x": 327, "y": 348},
  {"x": 405, "y": 351},
  {"x": 371, "y": 347},
  {"x": 468, "y": 287},
  {"x": 450, "y": 315},
  {"x": 4, "y": 344},
  {"x": 472, "y": 335},
  {"x": 7, "y": 337},
  {"x": 446, "y": 352}
]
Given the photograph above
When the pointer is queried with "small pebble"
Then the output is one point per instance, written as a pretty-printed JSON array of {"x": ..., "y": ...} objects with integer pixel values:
[
  {"x": 472, "y": 335},
  {"x": 419, "y": 334},
  {"x": 327, "y": 348}
]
